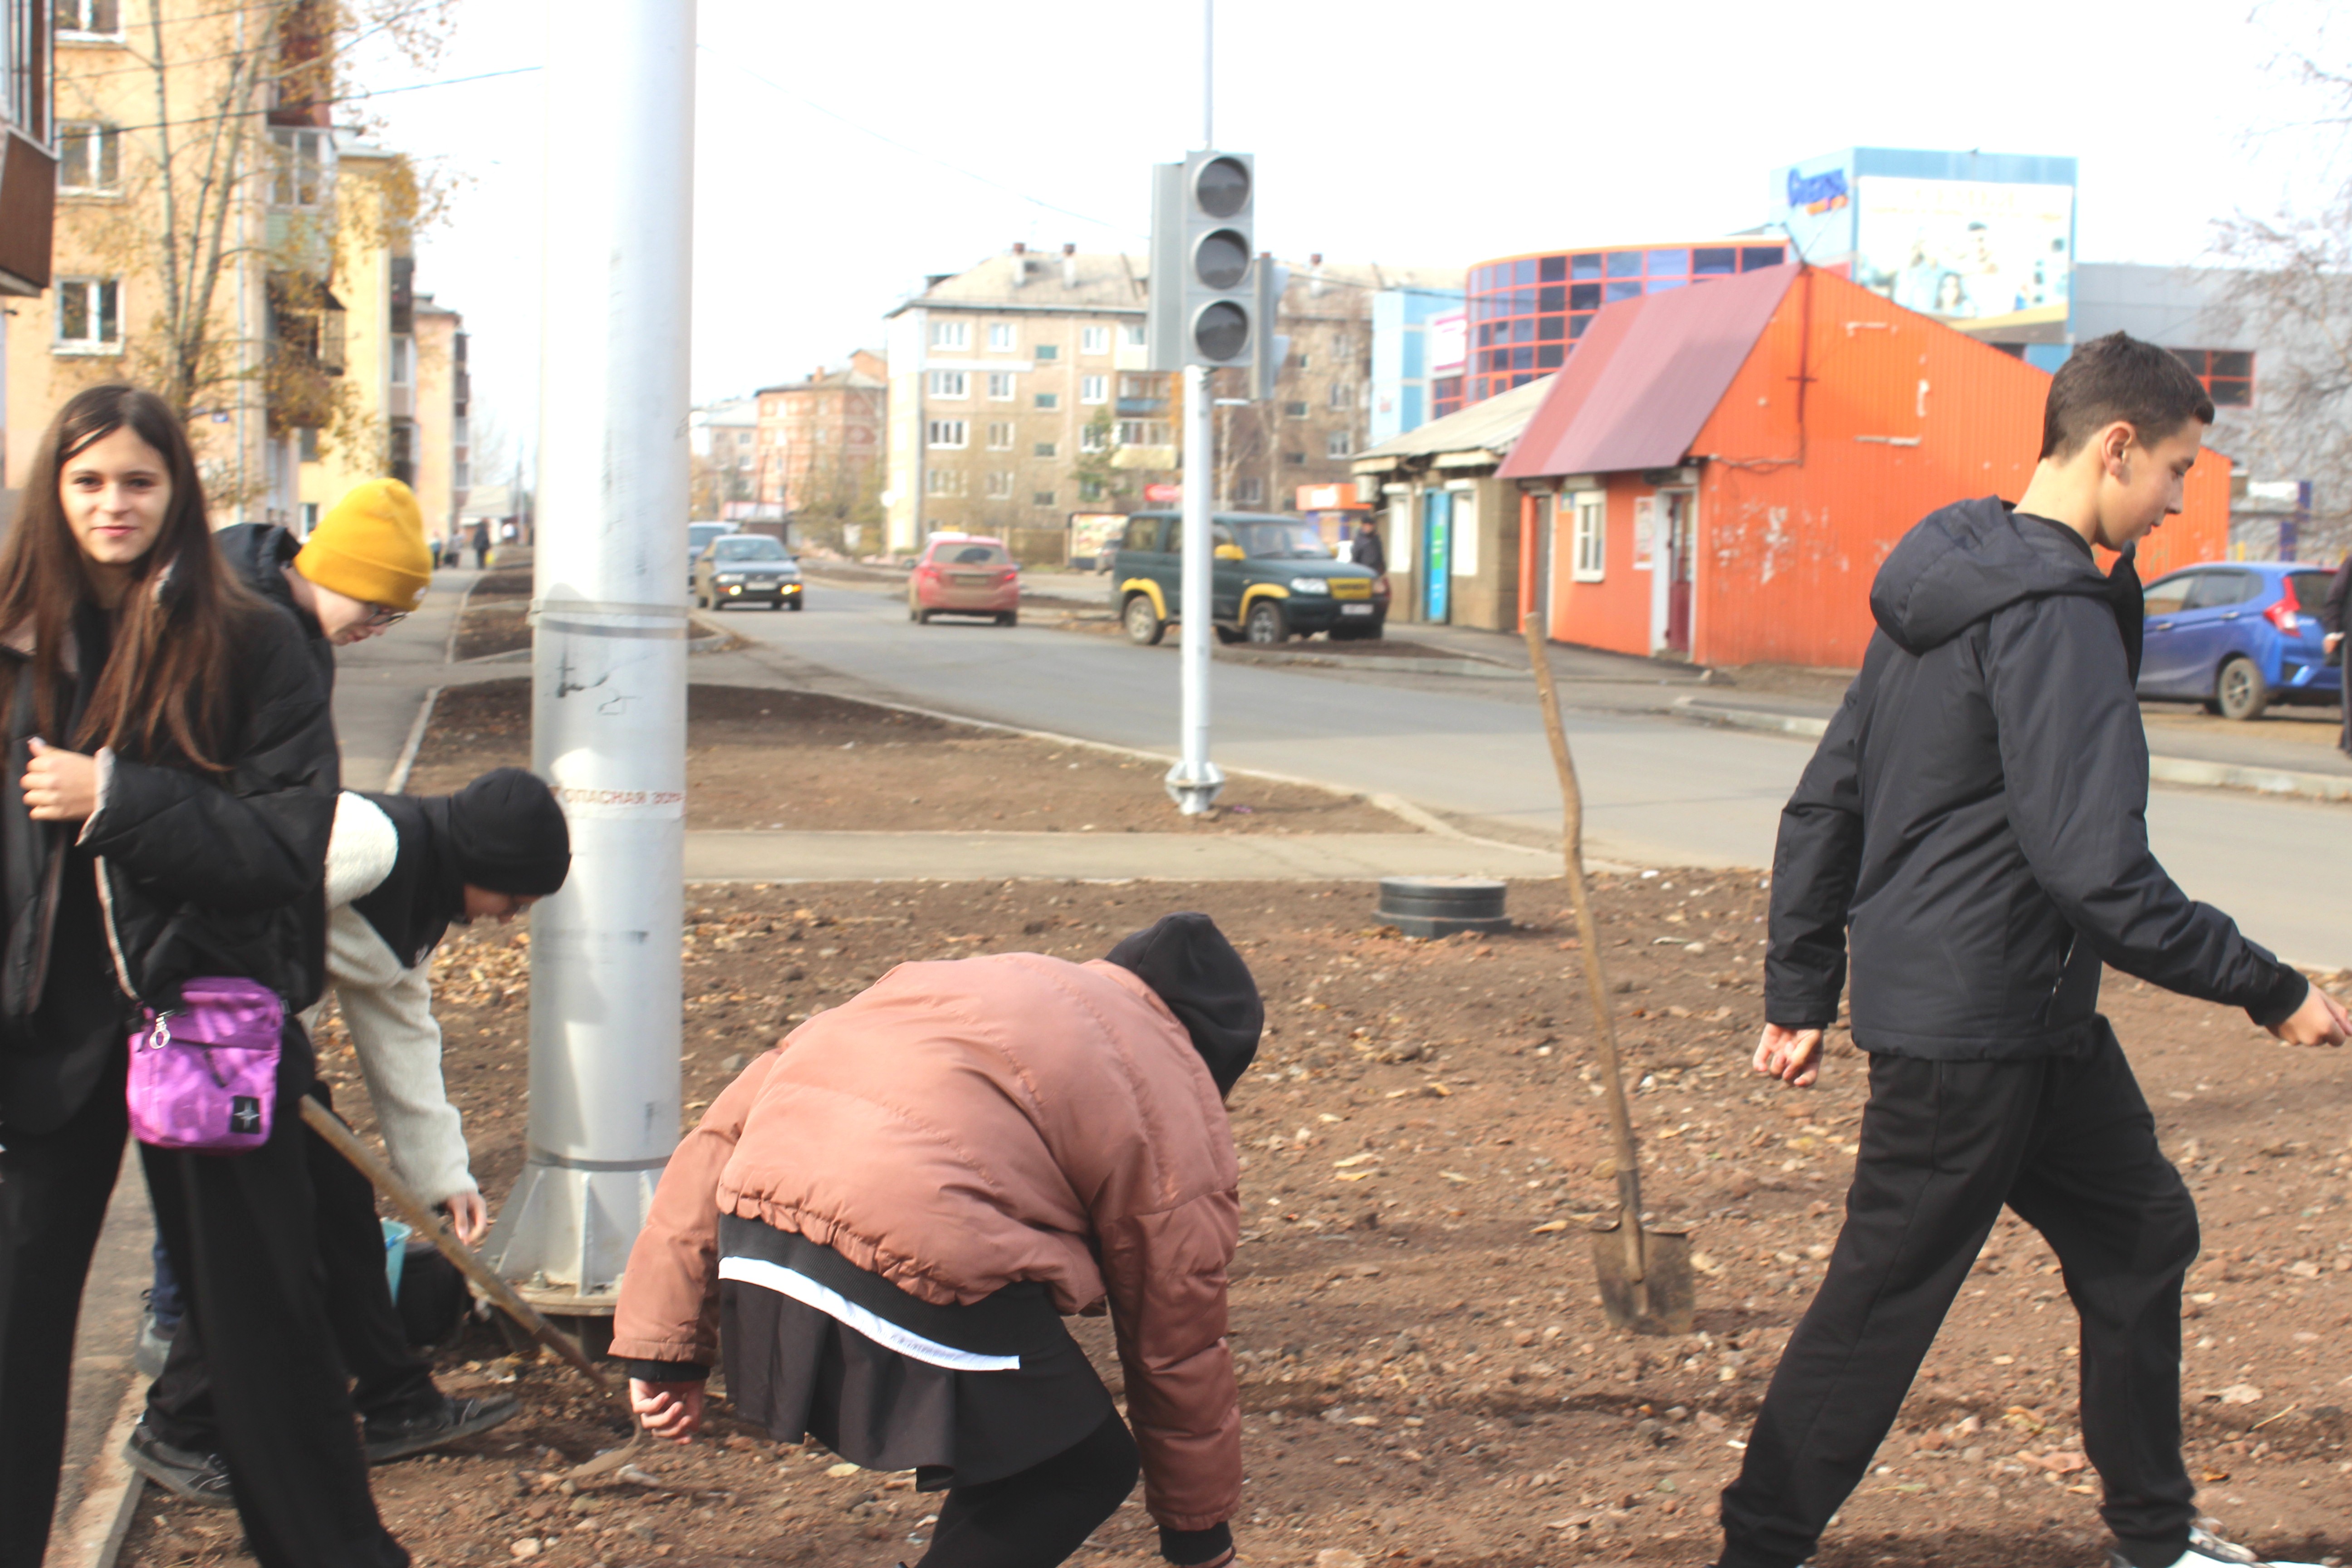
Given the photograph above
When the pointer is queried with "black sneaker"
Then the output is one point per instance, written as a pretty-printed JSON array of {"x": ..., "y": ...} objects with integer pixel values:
[
  {"x": 396, "y": 1438},
  {"x": 197, "y": 1478}
]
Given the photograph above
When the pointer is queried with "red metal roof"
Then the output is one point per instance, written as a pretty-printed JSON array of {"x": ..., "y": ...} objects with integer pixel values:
[{"x": 1645, "y": 376}]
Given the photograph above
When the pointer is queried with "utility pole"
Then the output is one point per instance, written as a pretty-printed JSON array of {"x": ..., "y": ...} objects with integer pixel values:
[{"x": 608, "y": 664}]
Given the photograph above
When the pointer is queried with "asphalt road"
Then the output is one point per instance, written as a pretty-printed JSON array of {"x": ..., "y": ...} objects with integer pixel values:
[{"x": 1658, "y": 791}]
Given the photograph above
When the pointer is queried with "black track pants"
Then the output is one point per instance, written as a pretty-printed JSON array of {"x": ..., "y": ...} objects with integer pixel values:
[
  {"x": 1037, "y": 1517},
  {"x": 241, "y": 1230},
  {"x": 53, "y": 1191},
  {"x": 2068, "y": 1143},
  {"x": 393, "y": 1381}
]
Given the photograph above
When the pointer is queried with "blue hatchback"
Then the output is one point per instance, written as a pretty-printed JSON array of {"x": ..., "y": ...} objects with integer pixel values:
[{"x": 2238, "y": 637}]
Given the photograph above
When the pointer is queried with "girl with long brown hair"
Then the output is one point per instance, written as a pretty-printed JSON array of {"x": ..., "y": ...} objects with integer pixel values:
[{"x": 165, "y": 802}]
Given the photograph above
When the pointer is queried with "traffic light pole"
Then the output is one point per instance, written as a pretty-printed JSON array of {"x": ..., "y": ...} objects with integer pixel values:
[
  {"x": 1194, "y": 782},
  {"x": 608, "y": 663}
]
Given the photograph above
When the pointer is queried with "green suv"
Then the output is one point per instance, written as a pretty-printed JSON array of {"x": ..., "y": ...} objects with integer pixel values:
[{"x": 1274, "y": 578}]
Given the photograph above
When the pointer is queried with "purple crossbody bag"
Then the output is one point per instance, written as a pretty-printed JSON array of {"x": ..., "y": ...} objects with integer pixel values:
[{"x": 204, "y": 1075}]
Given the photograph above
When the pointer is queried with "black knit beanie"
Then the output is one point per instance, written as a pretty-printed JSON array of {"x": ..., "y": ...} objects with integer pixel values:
[
  {"x": 508, "y": 834},
  {"x": 1189, "y": 965}
]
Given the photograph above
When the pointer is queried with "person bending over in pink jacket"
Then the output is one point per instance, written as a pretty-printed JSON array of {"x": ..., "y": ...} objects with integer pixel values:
[{"x": 886, "y": 1218}]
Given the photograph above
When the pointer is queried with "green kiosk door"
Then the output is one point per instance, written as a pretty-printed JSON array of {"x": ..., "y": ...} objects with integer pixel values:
[{"x": 1436, "y": 556}]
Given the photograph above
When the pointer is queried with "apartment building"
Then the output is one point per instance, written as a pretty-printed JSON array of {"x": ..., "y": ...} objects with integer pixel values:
[
  {"x": 443, "y": 443},
  {"x": 1013, "y": 386},
  {"x": 724, "y": 441},
  {"x": 818, "y": 449},
  {"x": 29, "y": 182},
  {"x": 218, "y": 238}
]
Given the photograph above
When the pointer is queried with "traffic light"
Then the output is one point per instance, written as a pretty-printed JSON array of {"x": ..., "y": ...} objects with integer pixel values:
[
  {"x": 1271, "y": 348},
  {"x": 1202, "y": 308}
]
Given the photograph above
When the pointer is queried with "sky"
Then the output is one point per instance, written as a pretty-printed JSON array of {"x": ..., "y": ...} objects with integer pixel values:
[{"x": 845, "y": 151}]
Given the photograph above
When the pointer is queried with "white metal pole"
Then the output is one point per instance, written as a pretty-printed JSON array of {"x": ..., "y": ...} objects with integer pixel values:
[
  {"x": 1208, "y": 73},
  {"x": 608, "y": 666},
  {"x": 1194, "y": 783}
]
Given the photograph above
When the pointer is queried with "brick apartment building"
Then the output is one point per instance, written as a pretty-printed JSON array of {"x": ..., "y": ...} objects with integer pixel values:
[{"x": 819, "y": 441}]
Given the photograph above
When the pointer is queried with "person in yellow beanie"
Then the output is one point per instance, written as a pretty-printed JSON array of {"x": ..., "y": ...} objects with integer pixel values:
[{"x": 363, "y": 567}]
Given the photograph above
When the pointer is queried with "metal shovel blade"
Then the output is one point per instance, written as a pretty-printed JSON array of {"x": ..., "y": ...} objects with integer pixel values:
[{"x": 1663, "y": 1300}]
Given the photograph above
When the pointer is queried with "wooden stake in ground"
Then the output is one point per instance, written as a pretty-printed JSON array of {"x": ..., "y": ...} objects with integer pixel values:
[
  {"x": 421, "y": 1218},
  {"x": 1644, "y": 1271}
]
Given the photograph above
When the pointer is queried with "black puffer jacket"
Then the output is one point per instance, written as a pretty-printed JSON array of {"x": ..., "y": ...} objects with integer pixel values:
[
  {"x": 195, "y": 876},
  {"x": 1977, "y": 812},
  {"x": 259, "y": 554}
]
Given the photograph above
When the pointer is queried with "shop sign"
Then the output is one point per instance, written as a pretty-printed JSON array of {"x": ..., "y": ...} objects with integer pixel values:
[
  {"x": 1342, "y": 496},
  {"x": 1162, "y": 494}
]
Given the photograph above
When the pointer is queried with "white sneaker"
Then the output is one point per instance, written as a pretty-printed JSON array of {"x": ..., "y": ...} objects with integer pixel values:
[{"x": 2206, "y": 1550}]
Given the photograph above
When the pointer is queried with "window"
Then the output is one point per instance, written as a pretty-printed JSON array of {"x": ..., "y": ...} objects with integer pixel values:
[
  {"x": 1342, "y": 395},
  {"x": 1250, "y": 491},
  {"x": 1048, "y": 350},
  {"x": 1094, "y": 340},
  {"x": 1000, "y": 436},
  {"x": 306, "y": 445},
  {"x": 90, "y": 158},
  {"x": 103, "y": 17},
  {"x": 1089, "y": 488},
  {"x": 1000, "y": 338},
  {"x": 1592, "y": 553},
  {"x": 1294, "y": 410},
  {"x": 1337, "y": 444},
  {"x": 1041, "y": 497},
  {"x": 951, "y": 384},
  {"x": 2217, "y": 590},
  {"x": 1000, "y": 385},
  {"x": 1295, "y": 459},
  {"x": 1000, "y": 485},
  {"x": 1146, "y": 433},
  {"x": 1093, "y": 389},
  {"x": 943, "y": 482},
  {"x": 1094, "y": 439},
  {"x": 404, "y": 360},
  {"x": 951, "y": 334},
  {"x": 2228, "y": 374},
  {"x": 2167, "y": 597},
  {"x": 1049, "y": 400},
  {"x": 89, "y": 318},
  {"x": 947, "y": 433},
  {"x": 302, "y": 156},
  {"x": 1045, "y": 450},
  {"x": 1135, "y": 338}
]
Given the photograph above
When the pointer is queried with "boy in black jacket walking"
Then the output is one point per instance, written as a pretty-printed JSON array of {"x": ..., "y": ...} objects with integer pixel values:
[{"x": 1974, "y": 824}]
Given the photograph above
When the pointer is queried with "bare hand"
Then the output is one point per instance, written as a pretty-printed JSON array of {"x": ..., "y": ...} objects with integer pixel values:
[
  {"x": 2331, "y": 642},
  {"x": 1792, "y": 1055},
  {"x": 2320, "y": 1021},
  {"x": 59, "y": 785},
  {"x": 469, "y": 1217},
  {"x": 670, "y": 1410}
]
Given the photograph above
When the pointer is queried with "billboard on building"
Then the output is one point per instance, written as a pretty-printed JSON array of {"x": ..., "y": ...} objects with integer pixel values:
[
  {"x": 1992, "y": 259},
  {"x": 1448, "y": 342},
  {"x": 1813, "y": 203}
]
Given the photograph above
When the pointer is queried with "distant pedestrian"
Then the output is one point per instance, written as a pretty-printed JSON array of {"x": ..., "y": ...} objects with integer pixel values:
[
  {"x": 1367, "y": 549},
  {"x": 169, "y": 790},
  {"x": 1973, "y": 826},
  {"x": 889, "y": 1214},
  {"x": 401, "y": 869},
  {"x": 2339, "y": 647},
  {"x": 482, "y": 544}
]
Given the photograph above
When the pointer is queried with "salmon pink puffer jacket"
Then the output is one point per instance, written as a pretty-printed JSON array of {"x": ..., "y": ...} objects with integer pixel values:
[{"x": 967, "y": 1123}]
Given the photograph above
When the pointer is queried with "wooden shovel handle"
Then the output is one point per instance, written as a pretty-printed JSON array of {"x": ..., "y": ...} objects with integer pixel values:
[
  {"x": 1596, "y": 980},
  {"x": 430, "y": 1226}
]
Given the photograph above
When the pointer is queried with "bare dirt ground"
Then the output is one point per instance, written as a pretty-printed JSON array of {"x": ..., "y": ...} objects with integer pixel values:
[
  {"x": 495, "y": 617},
  {"x": 760, "y": 758},
  {"x": 1426, "y": 1378}
]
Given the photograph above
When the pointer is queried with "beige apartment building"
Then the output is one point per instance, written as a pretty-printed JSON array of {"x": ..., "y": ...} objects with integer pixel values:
[
  {"x": 1018, "y": 395},
  {"x": 443, "y": 441},
  {"x": 819, "y": 446},
  {"x": 255, "y": 275}
]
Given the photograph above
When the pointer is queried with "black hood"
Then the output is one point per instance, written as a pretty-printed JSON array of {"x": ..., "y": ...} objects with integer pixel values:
[
  {"x": 1974, "y": 557},
  {"x": 260, "y": 553}
]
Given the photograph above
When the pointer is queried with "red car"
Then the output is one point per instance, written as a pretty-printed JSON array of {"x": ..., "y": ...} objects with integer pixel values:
[{"x": 964, "y": 574}]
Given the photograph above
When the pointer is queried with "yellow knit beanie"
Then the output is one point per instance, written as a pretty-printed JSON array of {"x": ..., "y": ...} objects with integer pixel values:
[{"x": 371, "y": 547}]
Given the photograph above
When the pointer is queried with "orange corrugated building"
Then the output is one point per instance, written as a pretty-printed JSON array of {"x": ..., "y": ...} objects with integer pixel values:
[{"x": 1729, "y": 468}]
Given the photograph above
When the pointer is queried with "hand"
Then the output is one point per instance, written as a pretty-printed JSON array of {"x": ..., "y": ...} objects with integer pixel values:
[
  {"x": 667, "y": 1410},
  {"x": 59, "y": 785},
  {"x": 2330, "y": 643},
  {"x": 469, "y": 1217},
  {"x": 1792, "y": 1055},
  {"x": 2320, "y": 1021}
]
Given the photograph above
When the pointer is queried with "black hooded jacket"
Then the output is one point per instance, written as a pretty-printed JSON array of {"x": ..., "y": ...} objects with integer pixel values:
[
  {"x": 1976, "y": 814},
  {"x": 259, "y": 554}
]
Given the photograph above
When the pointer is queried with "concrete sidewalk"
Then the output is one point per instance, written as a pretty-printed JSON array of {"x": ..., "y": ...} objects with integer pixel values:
[{"x": 787, "y": 856}]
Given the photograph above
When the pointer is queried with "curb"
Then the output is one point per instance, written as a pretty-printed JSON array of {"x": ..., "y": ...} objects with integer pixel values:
[
  {"x": 2192, "y": 772},
  {"x": 1476, "y": 669},
  {"x": 93, "y": 1537},
  {"x": 398, "y": 784}
]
